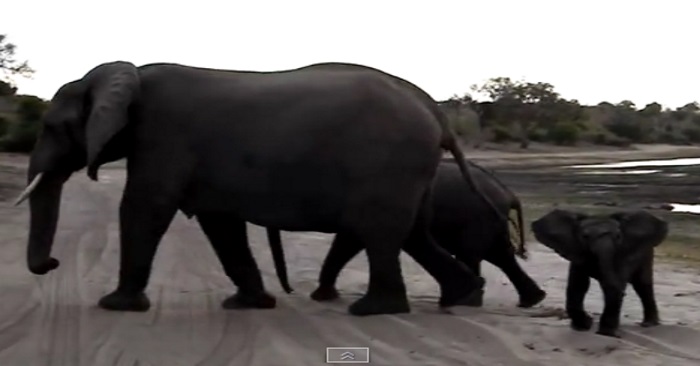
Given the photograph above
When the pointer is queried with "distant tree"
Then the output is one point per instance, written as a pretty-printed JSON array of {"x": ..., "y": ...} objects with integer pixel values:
[
  {"x": 6, "y": 89},
  {"x": 651, "y": 110},
  {"x": 4, "y": 126},
  {"x": 520, "y": 102},
  {"x": 627, "y": 104},
  {"x": 678, "y": 115},
  {"x": 626, "y": 123},
  {"x": 692, "y": 134},
  {"x": 550, "y": 112},
  {"x": 30, "y": 108},
  {"x": 563, "y": 133},
  {"x": 22, "y": 135},
  {"x": 8, "y": 63},
  {"x": 692, "y": 107},
  {"x": 463, "y": 119}
]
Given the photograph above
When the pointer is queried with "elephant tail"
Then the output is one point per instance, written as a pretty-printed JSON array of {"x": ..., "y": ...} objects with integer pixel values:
[
  {"x": 516, "y": 230},
  {"x": 273, "y": 236},
  {"x": 449, "y": 143},
  {"x": 519, "y": 243}
]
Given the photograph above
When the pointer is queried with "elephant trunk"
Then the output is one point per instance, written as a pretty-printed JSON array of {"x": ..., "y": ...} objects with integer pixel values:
[
  {"x": 605, "y": 251},
  {"x": 44, "y": 203}
]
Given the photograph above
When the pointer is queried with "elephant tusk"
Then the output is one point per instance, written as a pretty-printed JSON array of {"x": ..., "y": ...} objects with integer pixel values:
[{"x": 30, "y": 188}]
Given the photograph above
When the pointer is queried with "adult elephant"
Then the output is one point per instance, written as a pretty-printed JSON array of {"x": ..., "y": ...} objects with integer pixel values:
[
  {"x": 310, "y": 149},
  {"x": 462, "y": 224}
]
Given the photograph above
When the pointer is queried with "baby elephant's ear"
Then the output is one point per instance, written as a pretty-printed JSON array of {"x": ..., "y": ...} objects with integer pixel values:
[
  {"x": 640, "y": 229},
  {"x": 557, "y": 231}
]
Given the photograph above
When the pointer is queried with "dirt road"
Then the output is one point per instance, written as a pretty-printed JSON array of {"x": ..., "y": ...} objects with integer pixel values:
[{"x": 53, "y": 320}]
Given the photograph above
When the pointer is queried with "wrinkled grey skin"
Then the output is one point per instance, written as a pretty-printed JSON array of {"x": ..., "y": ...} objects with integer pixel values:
[
  {"x": 311, "y": 149},
  {"x": 615, "y": 250},
  {"x": 463, "y": 225}
]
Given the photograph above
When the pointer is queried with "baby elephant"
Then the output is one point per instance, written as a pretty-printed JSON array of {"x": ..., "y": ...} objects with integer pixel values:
[
  {"x": 463, "y": 225},
  {"x": 614, "y": 249}
]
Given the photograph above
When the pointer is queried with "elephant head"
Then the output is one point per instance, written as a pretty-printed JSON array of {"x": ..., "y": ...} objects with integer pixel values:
[
  {"x": 84, "y": 116},
  {"x": 579, "y": 238}
]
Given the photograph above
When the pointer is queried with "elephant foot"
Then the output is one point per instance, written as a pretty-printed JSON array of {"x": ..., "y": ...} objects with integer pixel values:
[
  {"x": 453, "y": 296},
  {"x": 477, "y": 300},
  {"x": 583, "y": 322},
  {"x": 648, "y": 323},
  {"x": 380, "y": 304},
  {"x": 608, "y": 332},
  {"x": 260, "y": 300},
  {"x": 120, "y": 301},
  {"x": 325, "y": 294},
  {"x": 532, "y": 299}
]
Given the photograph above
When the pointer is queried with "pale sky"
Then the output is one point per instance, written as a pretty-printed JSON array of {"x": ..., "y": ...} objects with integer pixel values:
[{"x": 591, "y": 50}]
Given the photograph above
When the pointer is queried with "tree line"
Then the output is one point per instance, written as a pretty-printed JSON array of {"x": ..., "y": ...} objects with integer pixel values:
[
  {"x": 522, "y": 112},
  {"x": 20, "y": 115},
  {"x": 515, "y": 111}
]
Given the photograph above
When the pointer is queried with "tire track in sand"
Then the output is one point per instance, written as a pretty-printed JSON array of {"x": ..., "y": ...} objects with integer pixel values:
[{"x": 52, "y": 320}]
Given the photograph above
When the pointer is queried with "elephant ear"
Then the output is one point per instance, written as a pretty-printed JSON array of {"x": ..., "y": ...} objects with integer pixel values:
[
  {"x": 114, "y": 86},
  {"x": 640, "y": 230},
  {"x": 557, "y": 231}
]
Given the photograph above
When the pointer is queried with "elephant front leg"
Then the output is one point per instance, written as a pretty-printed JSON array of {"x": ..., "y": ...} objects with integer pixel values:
[
  {"x": 613, "y": 293},
  {"x": 576, "y": 289},
  {"x": 228, "y": 236},
  {"x": 474, "y": 265},
  {"x": 143, "y": 221},
  {"x": 343, "y": 249},
  {"x": 643, "y": 285}
]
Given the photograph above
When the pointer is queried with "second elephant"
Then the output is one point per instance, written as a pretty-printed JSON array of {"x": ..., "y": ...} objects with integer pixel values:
[{"x": 462, "y": 224}]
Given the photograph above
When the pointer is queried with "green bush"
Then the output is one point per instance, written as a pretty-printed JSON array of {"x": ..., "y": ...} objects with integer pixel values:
[
  {"x": 537, "y": 135},
  {"x": 603, "y": 138},
  {"x": 668, "y": 138},
  {"x": 692, "y": 134},
  {"x": 563, "y": 133},
  {"x": 501, "y": 134},
  {"x": 30, "y": 108},
  {"x": 21, "y": 136},
  {"x": 627, "y": 130},
  {"x": 4, "y": 126}
]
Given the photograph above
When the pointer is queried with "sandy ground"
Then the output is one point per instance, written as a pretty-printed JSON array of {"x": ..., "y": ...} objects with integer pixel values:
[{"x": 53, "y": 320}]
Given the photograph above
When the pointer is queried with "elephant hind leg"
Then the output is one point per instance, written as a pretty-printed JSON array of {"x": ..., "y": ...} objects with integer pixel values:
[
  {"x": 461, "y": 244},
  {"x": 343, "y": 249},
  {"x": 458, "y": 284},
  {"x": 382, "y": 219},
  {"x": 643, "y": 284},
  {"x": 501, "y": 254},
  {"x": 381, "y": 232},
  {"x": 227, "y": 235},
  {"x": 474, "y": 265}
]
